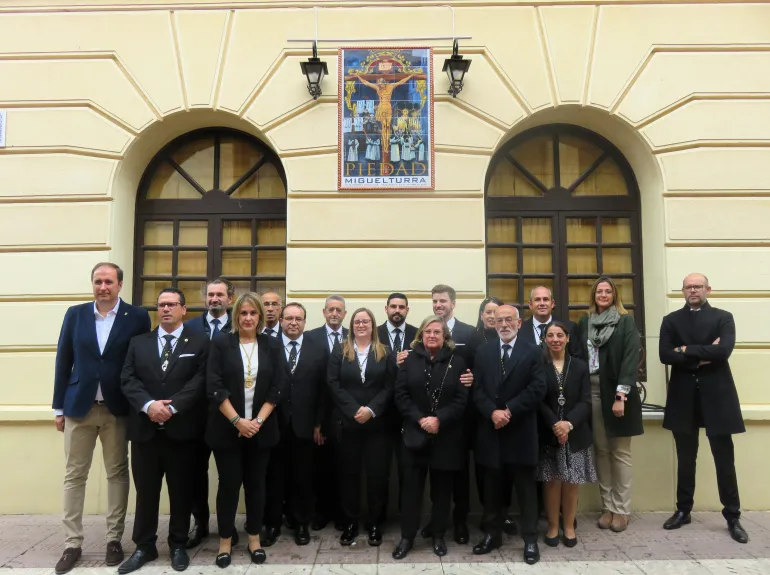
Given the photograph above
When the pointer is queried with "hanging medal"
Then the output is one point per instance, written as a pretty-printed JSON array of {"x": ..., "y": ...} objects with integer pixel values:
[{"x": 248, "y": 380}]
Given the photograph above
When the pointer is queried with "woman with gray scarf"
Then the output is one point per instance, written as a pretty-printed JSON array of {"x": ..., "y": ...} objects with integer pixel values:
[{"x": 610, "y": 340}]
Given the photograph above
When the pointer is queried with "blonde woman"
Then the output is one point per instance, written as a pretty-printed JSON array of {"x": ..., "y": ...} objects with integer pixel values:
[
  {"x": 610, "y": 341},
  {"x": 361, "y": 377}
]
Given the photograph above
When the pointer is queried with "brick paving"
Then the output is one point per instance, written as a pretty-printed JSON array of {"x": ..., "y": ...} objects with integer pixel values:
[{"x": 31, "y": 544}]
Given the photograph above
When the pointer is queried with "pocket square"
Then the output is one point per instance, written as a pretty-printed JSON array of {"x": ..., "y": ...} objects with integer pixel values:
[{"x": 186, "y": 355}]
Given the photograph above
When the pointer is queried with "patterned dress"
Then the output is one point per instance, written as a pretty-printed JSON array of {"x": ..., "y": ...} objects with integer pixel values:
[{"x": 557, "y": 462}]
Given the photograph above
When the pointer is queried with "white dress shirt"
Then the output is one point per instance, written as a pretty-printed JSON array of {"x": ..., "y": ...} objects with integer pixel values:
[
  {"x": 210, "y": 319},
  {"x": 392, "y": 335},
  {"x": 330, "y": 336},
  {"x": 536, "y": 327},
  {"x": 511, "y": 343},
  {"x": 287, "y": 345},
  {"x": 274, "y": 328},
  {"x": 253, "y": 349},
  {"x": 362, "y": 357},
  {"x": 450, "y": 323}
]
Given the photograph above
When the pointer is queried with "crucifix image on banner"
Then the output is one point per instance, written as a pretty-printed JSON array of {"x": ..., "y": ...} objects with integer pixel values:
[{"x": 386, "y": 119}]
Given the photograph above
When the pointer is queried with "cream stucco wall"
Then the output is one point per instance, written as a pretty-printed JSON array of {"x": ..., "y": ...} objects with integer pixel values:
[{"x": 94, "y": 91}]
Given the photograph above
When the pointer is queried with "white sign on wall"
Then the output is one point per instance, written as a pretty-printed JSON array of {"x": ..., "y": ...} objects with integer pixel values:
[{"x": 2, "y": 128}]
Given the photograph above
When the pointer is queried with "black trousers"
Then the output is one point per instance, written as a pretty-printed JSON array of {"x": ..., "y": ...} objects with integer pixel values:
[
  {"x": 244, "y": 465},
  {"x": 199, "y": 480},
  {"x": 290, "y": 480},
  {"x": 440, "y": 494},
  {"x": 523, "y": 478},
  {"x": 325, "y": 481},
  {"x": 150, "y": 461},
  {"x": 371, "y": 450},
  {"x": 724, "y": 460}
]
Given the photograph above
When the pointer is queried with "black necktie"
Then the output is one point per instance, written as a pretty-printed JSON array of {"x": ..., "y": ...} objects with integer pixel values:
[
  {"x": 293, "y": 356},
  {"x": 269, "y": 331},
  {"x": 336, "y": 346},
  {"x": 166, "y": 353},
  {"x": 215, "y": 331},
  {"x": 506, "y": 357},
  {"x": 541, "y": 328},
  {"x": 397, "y": 340}
]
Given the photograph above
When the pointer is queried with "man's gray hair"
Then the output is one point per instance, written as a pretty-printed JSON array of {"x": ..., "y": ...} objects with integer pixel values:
[
  {"x": 335, "y": 297},
  {"x": 532, "y": 292}
]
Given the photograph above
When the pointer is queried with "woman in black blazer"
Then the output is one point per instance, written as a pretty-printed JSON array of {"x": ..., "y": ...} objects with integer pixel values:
[
  {"x": 244, "y": 382},
  {"x": 361, "y": 378},
  {"x": 432, "y": 400},
  {"x": 566, "y": 457}
]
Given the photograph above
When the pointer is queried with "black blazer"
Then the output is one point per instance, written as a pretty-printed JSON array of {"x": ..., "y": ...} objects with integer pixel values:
[
  {"x": 407, "y": 337},
  {"x": 225, "y": 380},
  {"x": 720, "y": 406},
  {"x": 319, "y": 335},
  {"x": 447, "y": 449},
  {"x": 522, "y": 391},
  {"x": 348, "y": 392},
  {"x": 527, "y": 331},
  {"x": 303, "y": 397},
  {"x": 466, "y": 341},
  {"x": 577, "y": 406},
  {"x": 200, "y": 324},
  {"x": 80, "y": 368},
  {"x": 183, "y": 382}
]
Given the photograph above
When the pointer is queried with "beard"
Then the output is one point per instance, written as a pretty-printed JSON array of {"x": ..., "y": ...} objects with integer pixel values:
[{"x": 397, "y": 319}]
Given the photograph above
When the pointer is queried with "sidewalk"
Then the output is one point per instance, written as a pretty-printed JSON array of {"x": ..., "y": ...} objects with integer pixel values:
[{"x": 31, "y": 544}]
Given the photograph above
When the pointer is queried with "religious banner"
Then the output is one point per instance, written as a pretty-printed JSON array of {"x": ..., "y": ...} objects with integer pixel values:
[{"x": 386, "y": 119}]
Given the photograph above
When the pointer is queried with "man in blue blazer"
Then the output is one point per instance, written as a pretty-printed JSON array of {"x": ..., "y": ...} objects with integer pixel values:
[{"x": 88, "y": 403}]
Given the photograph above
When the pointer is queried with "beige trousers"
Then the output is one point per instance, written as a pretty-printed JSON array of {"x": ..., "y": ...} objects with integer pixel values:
[
  {"x": 80, "y": 435},
  {"x": 612, "y": 456}
]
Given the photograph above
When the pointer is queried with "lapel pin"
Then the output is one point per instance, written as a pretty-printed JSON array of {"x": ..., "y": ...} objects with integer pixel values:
[
  {"x": 185, "y": 340},
  {"x": 125, "y": 313}
]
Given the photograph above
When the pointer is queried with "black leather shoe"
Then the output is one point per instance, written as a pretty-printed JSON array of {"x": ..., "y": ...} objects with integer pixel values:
[
  {"x": 197, "y": 534},
  {"x": 271, "y": 536},
  {"x": 302, "y": 535},
  {"x": 403, "y": 548},
  {"x": 289, "y": 522},
  {"x": 427, "y": 531},
  {"x": 375, "y": 536},
  {"x": 180, "y": 560},
  {"x": 439, "y": 546},
  {"x": 569, "y": 542},
  {"x": 509, "y": 527},
  {"x": 737, "y": 531},
  {"x": 258, "y": 556},
  {"x": 319, "y": 522},
  {"x": 461, "y": 533},
  {"x": 349, "y": 535},
  {"x": 139, "y": 558},
  {"x": 223, "y": 560},
  {"x": 489, "y": 543},
  {"x": 551, "y": 541},
  {"x": 678, "y": 519},
  {"x": 531, "y": 553}
]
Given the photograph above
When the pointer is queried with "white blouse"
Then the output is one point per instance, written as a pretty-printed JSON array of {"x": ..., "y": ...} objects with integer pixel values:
[
  {"x": 251, "y": 348},
  {"x": 593, "y": 358}
]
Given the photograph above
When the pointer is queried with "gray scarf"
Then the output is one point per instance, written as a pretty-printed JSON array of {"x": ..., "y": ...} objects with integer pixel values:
[{"x": 602, "y": 325}]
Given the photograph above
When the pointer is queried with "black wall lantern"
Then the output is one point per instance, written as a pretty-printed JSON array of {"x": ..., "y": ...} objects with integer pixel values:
[
  {"x": 315, "y": 70},
  {"x": 456, "y": 67}
]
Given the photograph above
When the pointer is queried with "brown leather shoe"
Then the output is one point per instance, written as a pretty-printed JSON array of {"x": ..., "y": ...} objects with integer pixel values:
[
  {"x": 619, "y": 523},
  {"x": 114, "y": 553},
  {"x": 68, "y": 560},
  {"x": 605, "y": 520}
]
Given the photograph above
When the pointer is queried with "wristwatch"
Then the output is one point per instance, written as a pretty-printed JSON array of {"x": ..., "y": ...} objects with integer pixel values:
[
  {"x": 260, "y": 420},
  {"x": 619, "y": 397}
]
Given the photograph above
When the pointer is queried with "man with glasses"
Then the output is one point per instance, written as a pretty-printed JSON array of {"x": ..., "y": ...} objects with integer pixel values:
[
  {"x": 88, "y": 403},
  {"x": 271, "y": 301},
  {"x": 300, "y": 413},
  {"x": 697, "y": 341}
]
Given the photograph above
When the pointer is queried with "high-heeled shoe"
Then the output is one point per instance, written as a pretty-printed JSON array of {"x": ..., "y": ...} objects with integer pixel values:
[
  {"x": 258, "y": 556},
  {"x": 223, "y": 560}
]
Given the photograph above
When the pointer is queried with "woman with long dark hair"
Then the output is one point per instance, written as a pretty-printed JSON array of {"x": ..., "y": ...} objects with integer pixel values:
[{"x": 485, "y": 326}]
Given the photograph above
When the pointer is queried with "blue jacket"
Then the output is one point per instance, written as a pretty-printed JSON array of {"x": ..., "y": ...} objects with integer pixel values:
[{"x": 80, "y": 368}]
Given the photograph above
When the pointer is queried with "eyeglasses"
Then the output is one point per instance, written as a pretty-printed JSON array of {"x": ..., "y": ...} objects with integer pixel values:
[
  {"x": 502, "y": 320},
  {"x": 693, "y": 288},
  {"x": 271, "y": 304},
  {"x": 169, "y": 305},
  {"x": 294, "y": 319},
  {"x": 362, "y": 322}
]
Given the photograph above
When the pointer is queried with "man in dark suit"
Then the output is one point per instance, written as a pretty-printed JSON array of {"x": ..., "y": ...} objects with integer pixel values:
[
  {"x": 541, "y": 304},
  {"x": 509, "y": 386},
  {"x": 164, "y": 380},
  {"x": 464, "y": 336},
  {"x": 395, "y": 333},
  {"x": 271, "y": 301},
  {"x": 219, "y": 297},
  {"x": 300, "y": 413},
  {"x": 330, "y": 335},
  {"x": 696, "y": 341},
  {"x": 87, "y": 403}
]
